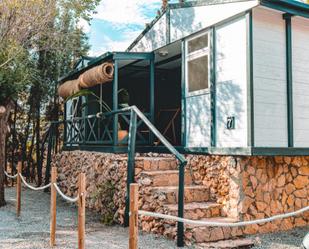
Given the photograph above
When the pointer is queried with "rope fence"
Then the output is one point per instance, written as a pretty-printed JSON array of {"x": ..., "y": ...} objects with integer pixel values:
[
  {"x": 134, "y": 213},
  {"x": 31, "y": 187},
  {"x": 80, "y": 198},
  {"x": 69, "y": 199},
  {"x": 9, "y": 176}
]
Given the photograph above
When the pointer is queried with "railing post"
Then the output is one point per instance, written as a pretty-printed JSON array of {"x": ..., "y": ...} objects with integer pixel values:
[
  {"x": 131, "y": 162},
  {"x": 180, "y": 225},
  {"x": 18, "y": 189},
  {"x": 53, "y": 206},
  {"x": 49, "y": 153},
  {"x": 133, "y": 230},
  {"x": 115, "y": 104},
  {"x": 81, "y": 210}
]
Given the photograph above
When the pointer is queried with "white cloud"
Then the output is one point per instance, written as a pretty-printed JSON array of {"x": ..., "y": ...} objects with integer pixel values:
[
  {"x": 126, "y": 11},
  {"x": 114, "y": 45},
  {"x": 84, "y": 25}
]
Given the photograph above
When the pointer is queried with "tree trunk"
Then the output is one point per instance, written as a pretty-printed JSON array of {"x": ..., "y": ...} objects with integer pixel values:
[
  {"x": 4, "y": 116},
  {"x": 38, "y": 151}
]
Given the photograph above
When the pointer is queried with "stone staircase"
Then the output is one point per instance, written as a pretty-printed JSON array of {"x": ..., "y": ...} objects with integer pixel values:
[{"x": 158, "y": 180}]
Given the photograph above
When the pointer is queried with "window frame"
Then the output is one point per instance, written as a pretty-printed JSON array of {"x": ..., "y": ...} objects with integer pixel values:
[{"x": 206, "y": 51}]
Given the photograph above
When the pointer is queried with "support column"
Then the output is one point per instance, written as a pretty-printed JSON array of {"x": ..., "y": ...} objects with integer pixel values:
[
  {"x": 213, "y": 102},
  {"x": 152, "y": 97},
  {"x": 115, "y": 103},
  {"x": 289, "y": 78}
]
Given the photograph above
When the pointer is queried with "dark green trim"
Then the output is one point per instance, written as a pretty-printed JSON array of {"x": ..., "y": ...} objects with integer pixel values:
[
  {"x": 288, "y": 6},
  {"x": 133, "y": 56},
  {"x": 198, "y": 3},
  {"x": 152, "y": 97},
  {"x": 108, "y": 57},
  {"x": 179, "y": 6},
  {"x": 168, "y": 60},
  {"x": 65, "y": 123},
  {"x": 261, "y": 151},
  {"x": 181, "y": 203},
  {"x": 115, "y": 103},
  {"x": 168, "y": 26},
  {"x": 250, "y": 98},
  {"x": 213, "y": 90},
  {"x": 289, "y": 78},
  {"x": 148, "y": 27},
  {"x": 183, "y": 95},
  {"x": 131, "y": 163}
]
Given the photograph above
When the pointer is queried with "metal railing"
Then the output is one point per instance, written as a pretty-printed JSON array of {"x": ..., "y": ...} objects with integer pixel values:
[
  {"x": 134, "y": 114},
  {"x": 76, "y": 128}
]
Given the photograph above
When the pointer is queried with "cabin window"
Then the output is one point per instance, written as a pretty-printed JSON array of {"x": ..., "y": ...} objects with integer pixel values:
[
  {"x": 197, "y": 60},
  {"x": 196, "y": 44}
]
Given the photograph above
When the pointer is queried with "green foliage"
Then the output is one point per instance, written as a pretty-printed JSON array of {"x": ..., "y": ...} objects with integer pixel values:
[
  {"x": 17, "y": 74},
  {"x": 105, "y": 194}
]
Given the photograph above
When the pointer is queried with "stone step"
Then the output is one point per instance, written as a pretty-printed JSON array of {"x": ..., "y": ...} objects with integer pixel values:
[
  {"x": 161, "y": 178},
  {"x": 202, "y": 233},
  {"x": 228, "y": 244},
  {"x": 196, "y": 210},
  {"x": 156, "y": 163},
  {"x": 214, "y": 219},
  {"x": 193, "y": 193}
]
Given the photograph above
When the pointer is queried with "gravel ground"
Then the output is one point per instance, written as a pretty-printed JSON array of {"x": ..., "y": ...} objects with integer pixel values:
[{"x": 31, "y": 230}]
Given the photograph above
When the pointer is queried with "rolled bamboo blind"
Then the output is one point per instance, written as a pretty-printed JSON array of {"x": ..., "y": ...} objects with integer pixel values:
[
  {"x": 98, "y": 75},
  {"x": 68, "y": 88}
]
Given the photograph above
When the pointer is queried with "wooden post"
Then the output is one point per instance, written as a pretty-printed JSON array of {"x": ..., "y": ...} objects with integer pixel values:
[
  {"x": 81, "y": 210},
  {"x": 133, "y": 237},
  {"x": 53, "y": 207},
  {"x": 18, "y": 189}
]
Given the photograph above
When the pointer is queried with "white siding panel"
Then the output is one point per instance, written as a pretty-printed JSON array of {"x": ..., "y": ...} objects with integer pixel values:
[
  {"x": 155, "y": 38},
  {"x": 300, "y": 55},
  {"x": 198, "y": 121},
  {"x": 186, "y": 21},
  {"x": 269, "y": 72},
  {"x": 231, "y": 83}
]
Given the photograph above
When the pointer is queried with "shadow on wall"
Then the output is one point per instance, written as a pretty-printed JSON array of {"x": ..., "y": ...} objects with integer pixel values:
[
  {"x": 230, "y": 93},
  {"x": 183, "y": 20}
]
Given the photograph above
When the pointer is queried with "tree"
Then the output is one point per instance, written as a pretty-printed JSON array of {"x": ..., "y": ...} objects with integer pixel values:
[{"x": 35, "y": 49}]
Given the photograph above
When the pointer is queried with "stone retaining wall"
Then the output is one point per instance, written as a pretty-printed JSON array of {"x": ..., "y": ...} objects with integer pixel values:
[{"x": 247, "y": 187}]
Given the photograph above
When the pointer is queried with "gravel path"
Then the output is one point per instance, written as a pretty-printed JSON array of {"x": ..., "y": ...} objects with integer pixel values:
[{"x": 31, "y": 230}]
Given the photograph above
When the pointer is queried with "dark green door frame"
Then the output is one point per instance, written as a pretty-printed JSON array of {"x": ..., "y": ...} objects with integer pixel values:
[{"x": 289, "y": 78}]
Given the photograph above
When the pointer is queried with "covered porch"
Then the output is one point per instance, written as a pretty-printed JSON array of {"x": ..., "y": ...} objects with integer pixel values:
[{"x": 149, "y": 81}]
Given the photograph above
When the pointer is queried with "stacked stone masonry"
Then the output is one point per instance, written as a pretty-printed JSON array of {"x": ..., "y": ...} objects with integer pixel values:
[{"x": 219, "y": 188}]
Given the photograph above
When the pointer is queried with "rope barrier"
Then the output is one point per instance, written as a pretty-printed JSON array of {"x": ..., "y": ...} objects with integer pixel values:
[
  {"x": 11, "y": 177},
  {"x": 31, "y": 187},
  {"x": 69, "y": 199},
  {"x": 223, "y": 224}
]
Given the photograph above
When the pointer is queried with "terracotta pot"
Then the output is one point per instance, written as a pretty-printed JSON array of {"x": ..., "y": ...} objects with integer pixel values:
[{"x": 122, "y": 134}]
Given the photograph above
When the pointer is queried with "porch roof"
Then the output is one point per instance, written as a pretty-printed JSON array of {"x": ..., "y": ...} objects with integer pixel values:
[{"x": 109, "y": 56}]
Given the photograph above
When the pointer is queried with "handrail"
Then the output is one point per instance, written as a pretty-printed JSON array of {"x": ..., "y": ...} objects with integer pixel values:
[
  {"x": 158, "y": 134},
  {"x": 134, "y": 113}
]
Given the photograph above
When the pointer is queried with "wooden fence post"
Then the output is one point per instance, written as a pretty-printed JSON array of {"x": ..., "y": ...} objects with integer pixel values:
[
  {"x": 18, "y": 189},
  {"x": 53, "y": 207},
  {"x": 81, "y": 210},
  {"x": 133, "y": 229}
]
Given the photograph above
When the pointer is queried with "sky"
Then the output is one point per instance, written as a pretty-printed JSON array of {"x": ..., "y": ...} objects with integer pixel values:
[{"x": 117, "y": 23}]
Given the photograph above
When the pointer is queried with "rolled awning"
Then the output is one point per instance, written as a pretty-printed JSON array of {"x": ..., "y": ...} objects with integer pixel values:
[
  {"x": 68, "y": 88},
  {"x": 98, "y": 75}
]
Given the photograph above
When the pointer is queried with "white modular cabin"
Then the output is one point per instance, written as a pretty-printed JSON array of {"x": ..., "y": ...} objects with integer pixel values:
[{"x": 244, "y": 73}]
